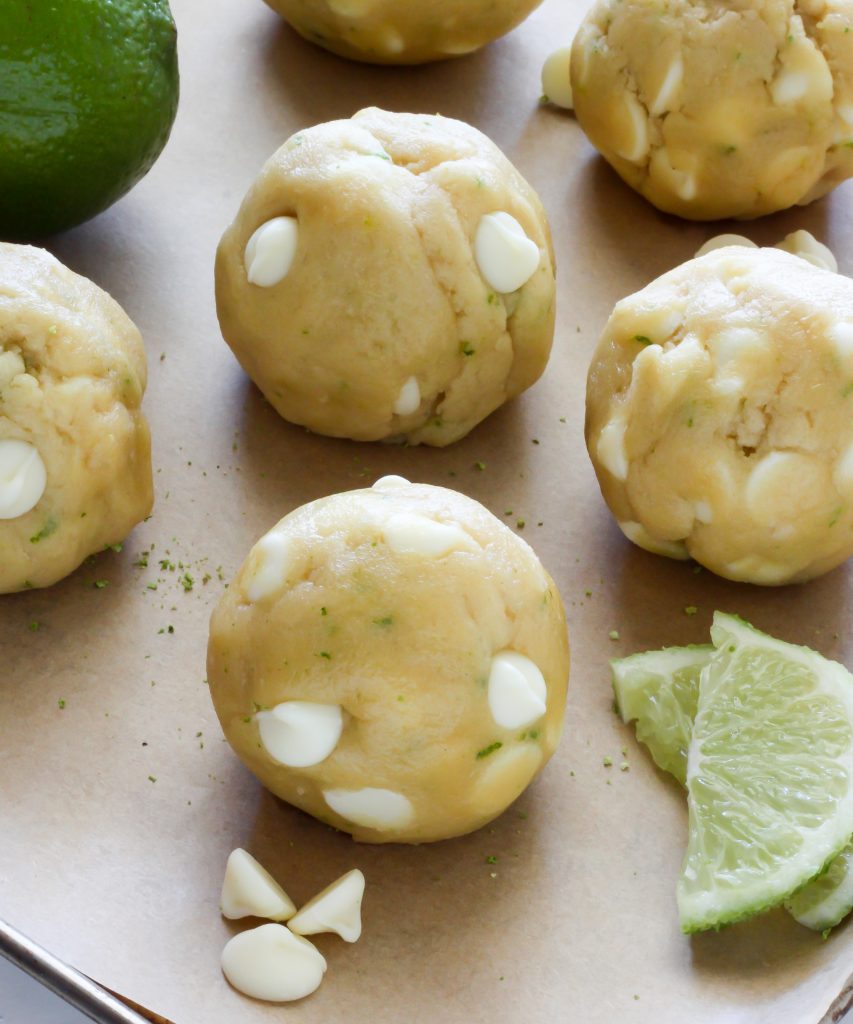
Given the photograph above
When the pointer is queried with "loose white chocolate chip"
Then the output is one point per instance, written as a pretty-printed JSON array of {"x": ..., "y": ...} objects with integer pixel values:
[
  {"x": 336, "y": 909},
  {"x": 23, "y": 478},
  {"x": 412, "y": 534},
  {"x": 636, "y": 147},
  {"x": 721, "y": 241},
  {"x": 299, "y": 733},
  {"x": 269, "y": 562},
  {"x": 611, "y": 448},
  {"x": 807, "y": 247},
  {"x": 270, "y": 251},
  {"x": 556, "y": 78},
  {"x": 517, "y": 692},
  {"x": 371, "y": 808},
  {"x": 639, "y": 535},
  {"x": 667, "y": 95},
  {"x": 249, "y": 890},
  {"x": 507, "y": 258},
  {"x": 409, "y": 399},
  {"x": 272, "y": 963},
  {"x": 391, "y": 483}
]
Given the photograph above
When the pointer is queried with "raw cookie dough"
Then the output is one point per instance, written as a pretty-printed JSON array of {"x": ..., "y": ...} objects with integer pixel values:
[
  {"x": 393, "y": 661},
  {"x": 713, "y": 109},
  {"x": 75, "y": 451},
  {"x": 719, "y": 415},
  {"x": 408, "y": 32},
  {"x": 389, "y": 276}
]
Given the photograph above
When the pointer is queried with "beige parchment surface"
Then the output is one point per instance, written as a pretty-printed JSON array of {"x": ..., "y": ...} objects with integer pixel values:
[{"x": 120, "y": 874}]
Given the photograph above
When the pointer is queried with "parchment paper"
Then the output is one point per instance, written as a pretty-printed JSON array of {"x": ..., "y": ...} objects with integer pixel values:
[{"x": 118, "y": 810}]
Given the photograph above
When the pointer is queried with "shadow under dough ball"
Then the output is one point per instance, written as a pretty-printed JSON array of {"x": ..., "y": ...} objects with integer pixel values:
[
  {"x": 394, "y": 661},
  {"x": 75, "y": 450},
  {"x": 715, "y": 110},
  {"x": 719, "y": 417},
  {"x": 390, "y": 276},
  {"x": 402, "y": 31}
]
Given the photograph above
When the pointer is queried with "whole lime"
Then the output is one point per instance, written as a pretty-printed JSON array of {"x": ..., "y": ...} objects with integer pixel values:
[{"x": 88, "y": 94}]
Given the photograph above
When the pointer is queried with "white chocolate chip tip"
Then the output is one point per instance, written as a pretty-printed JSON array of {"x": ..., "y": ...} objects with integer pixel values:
[
  {"x": 371, "y": 807},
  {"x": 300, "y": 733},
  {"x": 556, "y": 78},
  {"x": 391, "y": 483},
  {"x": 799, "y": 243},
  {"x": 269, "y": 561},
  {"x": 507, "y": 258},
  {"x": 270, "y": 251},
  {"x": 412, "y": 534},
  {"x": 249, "y": 890},
  {"x": 517, "y": 692},
  {"x": 336, "y": 909},
  {"x": 23, "y": 478},
  {"x": 273, "y": 964},
  {"x": 409, "y": 399},
  {"x": 721, "y": 241}
]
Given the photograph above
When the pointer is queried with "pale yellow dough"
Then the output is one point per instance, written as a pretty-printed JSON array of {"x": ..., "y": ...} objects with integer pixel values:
[
  {"x": 720, "y": 415},
  {"x": 383, "y": 325},
  {"x": 717, "y": 109},
  {"x": 72, "y": 375},
  {"x": 362, "y": 602},
  {"x": 403, "y": 31}
]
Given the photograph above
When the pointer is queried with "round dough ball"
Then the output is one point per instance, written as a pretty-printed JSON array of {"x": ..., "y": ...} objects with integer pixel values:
[
  {"x": 719, "y": 415},
  {"x": 393, "y": 661},
  {"x": 714, "y": 109},
  {"x": 412, "y": 32},
  {"x": 75, "y": 452},
  {"x": 389, "y": 276}
]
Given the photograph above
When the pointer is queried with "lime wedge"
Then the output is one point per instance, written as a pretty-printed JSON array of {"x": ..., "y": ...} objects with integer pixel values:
[
  {"x": 659, "y": 691},
  {"x": 769, "y": 773},
  {"x": 827, "y": 900}
]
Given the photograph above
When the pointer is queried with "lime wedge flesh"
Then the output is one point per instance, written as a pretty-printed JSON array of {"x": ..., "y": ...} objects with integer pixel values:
[
  {"x": 769, "y": 775},
  {"x": 659, "y": 691}
]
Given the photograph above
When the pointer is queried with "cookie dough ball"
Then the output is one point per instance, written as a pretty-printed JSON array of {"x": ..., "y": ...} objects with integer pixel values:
[
  {"x": 719, "y": 415},
  {"x": 391, "y": 32},
  {"x": 75, "y": 452},
  {"x": 388, "y": 276},
  {"x": 393, "y": 661},
  {"x": 717, "y": 110}
]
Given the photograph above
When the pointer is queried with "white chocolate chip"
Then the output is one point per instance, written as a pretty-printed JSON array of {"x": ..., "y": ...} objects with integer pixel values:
[
  {"x": 611, "y": 448},
  {"x": 679, "y": 179},
  {"x": 639, "y": 535},
  {"x": 789, "y": 86},
  {"x": 667, "y": 95},
  {"x": 731, "y": 344},
  {"x": 272, "y": 963},
  {"x": 391, "y": 483},
  {"x": 721, "y": 241},
  {"x": 409, "y": 399},
  {"x": 507, "y": 258},
  {"x": 636, "y": 147},
  {"x": 556, "y": 78},
  {"x": 270, "y": 251},
  {"x": 517, "y": 691},
  {"x": 703, "y": 512},
  {"x": 807, "y": 247},
  {"x": 371, "y": 808},
  {"x": 249, "y": 890},
  {"x": 754, "y": 569},
  {"x": 840, "y": 335},
  {"x": 842, "y": 475},
  {"x": 391, "y": 41},
  {"x": 336, "y": 909},
  {"x": 412, "y": 534},
  {"x": 269, "y": 562},
  {"x": 23, "y": 478},
  {"x": 299, "y": 733},
  {"x": 11, "y": 366}
]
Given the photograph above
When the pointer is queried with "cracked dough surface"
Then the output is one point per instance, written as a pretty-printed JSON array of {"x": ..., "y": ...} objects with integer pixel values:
[
  {"x": 403, "y": 642},
  {"x": 716, "y": 109},
  {"x": 72, "y": 376},
  {"x": 409, "y": 32},
  {"x": 719, "y": 415},
  {"x": 384, "y": 285}
]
